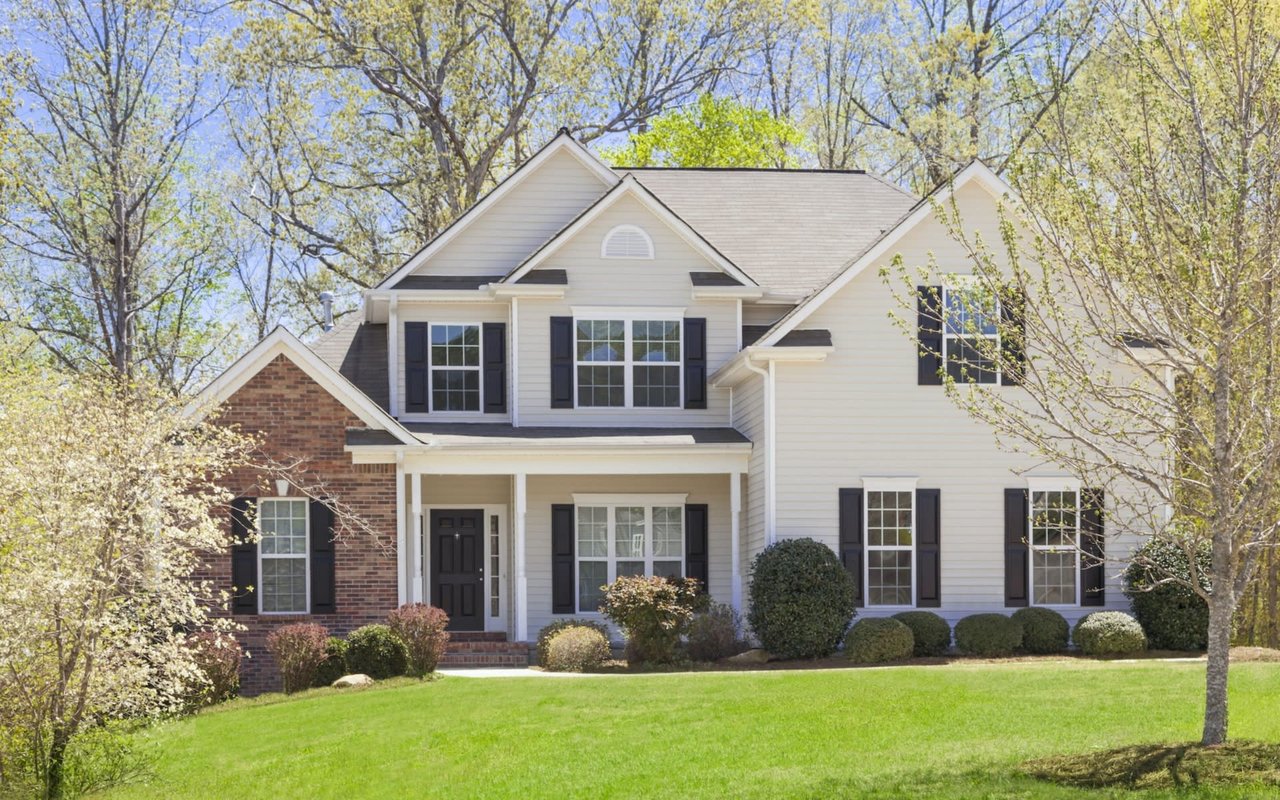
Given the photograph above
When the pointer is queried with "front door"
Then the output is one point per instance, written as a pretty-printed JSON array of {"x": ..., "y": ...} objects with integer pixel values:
[{"x": 457, "y": 567}]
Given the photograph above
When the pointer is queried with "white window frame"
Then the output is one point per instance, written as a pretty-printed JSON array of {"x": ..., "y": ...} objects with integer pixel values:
[
  {"x": 628, "y": 228},
  {"x": 627, "y": 316},
  {"x": 965, "y": 283},
  {"x": 612, "y": 502},
  {"x": 1035, "y": 485},
  {"x": 870, "y": 485},
  {"x": 306, "y": 553},
  {"x": 432, "y": 367}
]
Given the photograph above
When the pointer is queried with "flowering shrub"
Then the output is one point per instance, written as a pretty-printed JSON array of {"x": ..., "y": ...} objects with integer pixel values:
[
  {"x": 653, "y": 613},
  {"x": 299, "y": 649},
  {"x": 422, "y": 629},
  {"x": 217, "y": 656}
]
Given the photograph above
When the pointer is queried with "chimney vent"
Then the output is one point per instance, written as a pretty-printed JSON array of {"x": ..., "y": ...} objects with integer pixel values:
[{"x": 326, "y": 304}]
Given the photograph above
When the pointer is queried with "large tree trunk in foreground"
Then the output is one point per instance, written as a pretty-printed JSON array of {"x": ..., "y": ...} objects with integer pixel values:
[{"x": 1215, "y": 695}]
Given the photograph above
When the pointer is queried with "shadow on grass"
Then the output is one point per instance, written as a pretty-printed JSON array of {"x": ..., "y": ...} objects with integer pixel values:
[{"x": 1164, "y": 766}]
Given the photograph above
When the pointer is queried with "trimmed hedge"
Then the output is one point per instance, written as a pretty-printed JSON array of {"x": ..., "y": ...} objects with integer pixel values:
[
  {"x": 1109, "y": 633},
  {"x": 802, "y": 599},
  {"x": 988, "y": 635},
  {"x": 376, "y": 651},
  {"x": 1044, "y": 631},
  {"x": 931, "y": 632},
  {"x": 545, "y": 635},
  {"x": 1172, "y": 615},
  {"x": 872, "y": 641},
  {"x": 577, "y": 649}
]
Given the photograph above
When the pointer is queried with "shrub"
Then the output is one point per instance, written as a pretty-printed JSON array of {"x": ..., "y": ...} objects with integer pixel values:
[
  {"x": 802, "y": 599},
  {"x": 299, "y": 649},
  {"x": 931, "y": 632},
  {"x": 653, "y": 613},
  {"x": 988, "y": 635},
  {"x": 1109, "y": 633},
  {"x": 376, "y": 651},
  {"x": 1172, "y": 615},
  {"x": 334, "y": 665},
  {"x": 1044, "y": 630},
  {"x": 422, "y": 629},
  {"x": 577, "y": 649},
  {"x": 871, "y": 641},
  {"x": 545, "y": 635},
  {"x": 715, "y": 634},
  {"x": 217, "y": 656}
]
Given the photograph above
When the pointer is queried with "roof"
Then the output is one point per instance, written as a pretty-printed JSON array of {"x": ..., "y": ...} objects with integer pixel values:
[
  {"x": 445, "y": 282},
  {"x": 358, "y": 351},
  {"x": 790, "y": 230},
  {"x": 812, "y": 337},
  {"x": 481, "y": 433}
]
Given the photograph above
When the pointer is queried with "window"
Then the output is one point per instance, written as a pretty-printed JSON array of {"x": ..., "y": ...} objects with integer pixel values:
[
  {"x": 890, "y": 532},
  {"x": 628, "y": 363},
  {"x": 626, "y": 241},
  {"x": 495, "y": 568},
  {"x": 455, "y": 367},
  {"x": 1055, "y": 528},
  {"x": 970, "y": 333},
  {"x": 626, "y": 538},
  {"x": 282, "y": 548}
]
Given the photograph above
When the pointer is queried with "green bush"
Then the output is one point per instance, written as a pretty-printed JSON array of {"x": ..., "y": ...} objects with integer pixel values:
[
  {"x": 1044, "y": 630},
  {"x": 988, "y": 635},
  {"x": 1109, "y": 633},
  {"x": 577, "y": 649},
  {"x": 802, "y": 599},
  {"x": 654, "y": 613},
  {"x": 334, "y": 665},
  {"x": 376, "y": 651},
  {"x": 545, "y": 635},
  {"x": 715, "y": 634},
  {"x": 871, "y": 641},
  {"x": 1172, "y": 615},
  {"x": 931, "y": 632}
]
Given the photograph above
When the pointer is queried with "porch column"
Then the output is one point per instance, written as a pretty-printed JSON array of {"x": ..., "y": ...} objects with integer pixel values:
[
  {"x": 522, "y": 578},
  {"x": 735, "y": 539},
  {"x": 402, "y": 539},
  {"x": 415, "y": 568}
]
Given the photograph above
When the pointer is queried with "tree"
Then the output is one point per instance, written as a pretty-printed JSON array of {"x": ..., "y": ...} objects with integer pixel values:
[
  {"x": 1143, "y": 258},
  {"x": 715, "y": 132},
  {"x": 108, "y": 225}
]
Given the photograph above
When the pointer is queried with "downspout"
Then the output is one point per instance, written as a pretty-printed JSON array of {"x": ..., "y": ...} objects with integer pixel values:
[{"x": 770, "y": 484}]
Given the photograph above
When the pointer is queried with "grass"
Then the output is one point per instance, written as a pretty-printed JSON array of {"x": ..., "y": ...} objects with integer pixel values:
[
  {"x": 1164, "y": 766},
  {"x": 947, "y": 731}
]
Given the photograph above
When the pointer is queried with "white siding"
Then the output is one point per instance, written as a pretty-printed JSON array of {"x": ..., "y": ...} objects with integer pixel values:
[
  {"x": 445, "y": 313},
  {"x": 763, "y": 313},
  {"x": 748, "y": 417}
]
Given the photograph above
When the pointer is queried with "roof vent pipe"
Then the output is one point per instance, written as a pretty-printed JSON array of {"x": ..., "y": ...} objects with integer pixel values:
[{"x": 326, "y": 314}]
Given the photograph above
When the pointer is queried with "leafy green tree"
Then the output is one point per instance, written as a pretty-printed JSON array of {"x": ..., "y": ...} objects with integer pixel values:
[{"x": 714, "y": 132}]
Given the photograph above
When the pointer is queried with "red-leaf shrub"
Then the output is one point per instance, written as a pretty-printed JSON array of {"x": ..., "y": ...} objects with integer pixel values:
[
  {"x": 217, "y": 656},
  {"x": 299, "y": 649},
  {"x": 422, "y": 628}
]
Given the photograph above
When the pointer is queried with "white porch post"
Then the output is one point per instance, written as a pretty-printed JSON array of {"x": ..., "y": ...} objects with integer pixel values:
[
  {"x": 522, "y": 578},
  {"x": 402, "y": 540},
  {"x": 735, "y": 539},
  {"x": 416, "y": 546}
]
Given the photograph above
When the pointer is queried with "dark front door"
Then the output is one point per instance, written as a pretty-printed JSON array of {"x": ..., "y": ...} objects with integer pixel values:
[{"x": 457, "y": 567}]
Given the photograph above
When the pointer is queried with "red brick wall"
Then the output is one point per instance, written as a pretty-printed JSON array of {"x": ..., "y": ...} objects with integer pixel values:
[{"x": 297, "y": 419}]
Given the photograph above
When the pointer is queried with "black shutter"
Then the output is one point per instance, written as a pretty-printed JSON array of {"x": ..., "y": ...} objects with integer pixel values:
[
  {"x": 417, "y": 367},
  {"x": 929, "y": 332},
  {"x": 562, "y": 362},
  {"x": 1013, "y": 334},
  {"x": 324, "y": 587},
  {"x": 1093, "y": 576},
  {"x": 495, "y": 367},
  {"x": 928, "y": 548},
  {"x": 695, "y": 362},
  {"x": 851, "y": 544},
  {"x": 695, "y": 544},
  {"x": 244, "y": 558},
  {"x": 1016, "y": 554},
  {"x": 563, "y": 600}
]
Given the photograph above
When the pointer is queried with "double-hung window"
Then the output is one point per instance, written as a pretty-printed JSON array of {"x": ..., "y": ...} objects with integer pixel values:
[
  {"x": 455, "y": 367},
  {"x": 1054, "y": 537},
  {"x": 630, "y": 362},
  {"x": 970, "y": 333},
  {"x": 890, "y": 536},
  {"x": 626, "y": 537},
  {"x": 282, "y": 549}
]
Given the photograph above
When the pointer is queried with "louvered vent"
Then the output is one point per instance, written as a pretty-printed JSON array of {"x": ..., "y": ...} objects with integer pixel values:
[{"x": 627, "y": 241}]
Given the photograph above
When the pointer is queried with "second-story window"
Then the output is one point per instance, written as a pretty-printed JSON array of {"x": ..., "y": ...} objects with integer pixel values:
[
  {"x": 628, "y": 363},
  {"x": 455, "y": 367},
  {"x": 970, "y": 333}
]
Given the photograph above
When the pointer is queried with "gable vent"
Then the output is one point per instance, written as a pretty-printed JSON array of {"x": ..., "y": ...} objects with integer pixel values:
[{"x": 626, "y": 241}]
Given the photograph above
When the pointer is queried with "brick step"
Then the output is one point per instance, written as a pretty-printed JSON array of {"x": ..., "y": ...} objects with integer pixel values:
[
  {"x": 477, "y": 636},
  {"x": 487, "y": 647},
  {"x": 484, "y": 660}
]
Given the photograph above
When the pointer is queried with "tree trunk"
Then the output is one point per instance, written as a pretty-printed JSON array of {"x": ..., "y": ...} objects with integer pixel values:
[
  {"x": 53, "y": 783},
  {"x": 1215, "y": 695}
]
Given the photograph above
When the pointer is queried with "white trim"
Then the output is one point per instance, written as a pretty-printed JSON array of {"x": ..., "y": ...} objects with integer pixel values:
[
  {"x": 305, "y": 557},
  {"x": 895, "y": 485},
  {"x": 628, "y": 363},
  {"x": 521, "y": 555},
  {"x": 1042, "y": 485},
  {"x": 513, "y": 349},
  {"x": 630, "y": 187},
  {"x": 611, "y": 558},
  {"x": 889, "y": 483},
  {"x": 629, "y": 313},
  {"x": 393, "y": 355},
  {"x": 417, "y": 564},
  {"x": 726, "y": 293},
  {"x": 629, "y": 499},
  {"x": 736, "y": 369},
  {"x": 976, "y": 171},
  {"x": 499, "y": 510},
  {"x": 735, "y": 540},
  {"x": 766, "y": 398},
  {"x": 626, "y": 228},
  {"x": 963, "y": 282},
  {"x": 402, "y": 536},
  {"x": 432, "y": 368},
  {"x": 562, "y": 141}
]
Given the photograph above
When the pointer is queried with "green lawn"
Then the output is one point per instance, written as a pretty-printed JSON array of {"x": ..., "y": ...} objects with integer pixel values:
[{"x": 950, "y": 731}]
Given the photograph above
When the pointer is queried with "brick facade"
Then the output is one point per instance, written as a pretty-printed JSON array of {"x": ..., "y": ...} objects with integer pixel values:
[{"x": 298, "y": 419}]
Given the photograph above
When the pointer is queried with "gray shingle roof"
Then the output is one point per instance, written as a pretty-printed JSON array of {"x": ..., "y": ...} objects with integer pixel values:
[
  {"x": 486, "y": 433},
  {"x": 358, "y": 350},
  {"x": 790, "y": 230}
]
